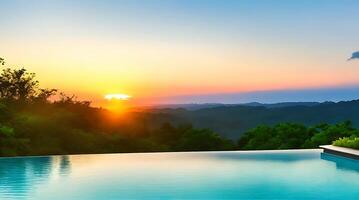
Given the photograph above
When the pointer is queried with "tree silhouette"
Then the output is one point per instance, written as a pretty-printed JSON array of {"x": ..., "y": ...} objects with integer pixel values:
[
  {"x": 17, "y": 84},
  {"x": 21, "y": 85}
]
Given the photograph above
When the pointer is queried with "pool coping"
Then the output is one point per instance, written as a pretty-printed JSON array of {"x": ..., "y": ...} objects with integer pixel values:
[{"x": 341, "y": 151}]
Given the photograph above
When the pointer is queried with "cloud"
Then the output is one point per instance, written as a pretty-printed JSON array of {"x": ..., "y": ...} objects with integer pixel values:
[{"x": 355, "y": 55}]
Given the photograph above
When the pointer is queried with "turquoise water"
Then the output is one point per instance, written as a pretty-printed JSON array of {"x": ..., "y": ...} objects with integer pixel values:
[{"x": 297, "y": 174}]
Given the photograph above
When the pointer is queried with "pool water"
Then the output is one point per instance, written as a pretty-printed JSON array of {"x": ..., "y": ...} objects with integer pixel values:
[{"x": 296, "y": 174}]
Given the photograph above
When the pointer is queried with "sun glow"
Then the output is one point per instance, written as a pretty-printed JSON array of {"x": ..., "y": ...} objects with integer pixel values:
[
  {"x": 117, "y": 96},
  {"x": 118, "y": 103}
]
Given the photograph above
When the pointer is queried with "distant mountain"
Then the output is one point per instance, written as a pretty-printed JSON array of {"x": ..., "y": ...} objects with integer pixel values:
[
  {"x": 214, "y": 105},
  {"x": 188, "y": 106},
  {"x": 280, "y": 105},
  {"x": 233, "y": 120}
]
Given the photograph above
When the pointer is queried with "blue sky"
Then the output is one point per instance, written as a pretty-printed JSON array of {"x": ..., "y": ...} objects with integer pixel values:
[{"x": 161, "y": 49}]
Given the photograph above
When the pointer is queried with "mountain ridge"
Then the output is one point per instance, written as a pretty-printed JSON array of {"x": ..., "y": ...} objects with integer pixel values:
[{"x": 232, "y": 121}]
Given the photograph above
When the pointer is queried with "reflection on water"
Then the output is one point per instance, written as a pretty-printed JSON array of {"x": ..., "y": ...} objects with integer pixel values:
[
  {"x": 19, "y": 175},
  {"x": 341, "y": 163},
  {"x": 298, "y": 174},
  {"x": 64, "y": 165},
  {"x": 282, "y": 156}
]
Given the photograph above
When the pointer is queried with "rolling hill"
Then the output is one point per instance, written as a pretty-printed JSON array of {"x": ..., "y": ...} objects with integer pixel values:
[{"x": 232, "y": 121}]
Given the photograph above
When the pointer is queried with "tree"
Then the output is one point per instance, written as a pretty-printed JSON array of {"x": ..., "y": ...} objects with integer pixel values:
[
  {"x": 333, "y": 132},
  {"x": 21, "y": 85},
  {"x": 203, "y": 140},
  {"x": 17, "y": 84},
  {"x": 44, "y": 94},
  {"x": 66, "y": 100}
]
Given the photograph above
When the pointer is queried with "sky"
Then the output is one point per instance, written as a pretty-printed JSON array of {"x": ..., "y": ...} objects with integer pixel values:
[{"x": 187, "y": 51}]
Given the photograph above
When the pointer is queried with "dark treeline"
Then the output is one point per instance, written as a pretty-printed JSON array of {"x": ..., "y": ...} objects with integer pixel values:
[
  {"x": 33, "y": 124},
  {"x": 295, "y": 136}
]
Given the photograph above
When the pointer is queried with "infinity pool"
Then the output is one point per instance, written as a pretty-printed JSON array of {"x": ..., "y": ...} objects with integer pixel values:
[{"x": 297, "y": 174}]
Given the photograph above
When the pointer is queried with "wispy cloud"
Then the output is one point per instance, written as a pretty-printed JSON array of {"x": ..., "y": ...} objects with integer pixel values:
[{"x": 355, "y": 55}]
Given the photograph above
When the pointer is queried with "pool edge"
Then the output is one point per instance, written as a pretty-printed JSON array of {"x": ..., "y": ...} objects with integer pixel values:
[
  {"x": 341, "y": 151},
  {"x": 166, "y": 152}
]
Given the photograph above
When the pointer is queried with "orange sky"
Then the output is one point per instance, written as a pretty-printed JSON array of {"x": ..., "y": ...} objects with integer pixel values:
[{"x": 178, "y": 49}]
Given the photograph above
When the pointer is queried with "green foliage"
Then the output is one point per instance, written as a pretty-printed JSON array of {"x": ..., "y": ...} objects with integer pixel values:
[
  {"x": 293, "y": 136},
  {"x": 70, "y": 132},
  {"x": 202, "y": 140},
  {"x": 350, "y": 142},
  {"x": 6, "y": 131},
  {"x": 10, "y": 145},
  {"x": 281, "y": 136},
  {"x": 329, "y": 133}
]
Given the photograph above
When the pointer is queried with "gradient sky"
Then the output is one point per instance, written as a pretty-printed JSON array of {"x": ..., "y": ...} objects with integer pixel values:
[{"x": 161, "y": 50}]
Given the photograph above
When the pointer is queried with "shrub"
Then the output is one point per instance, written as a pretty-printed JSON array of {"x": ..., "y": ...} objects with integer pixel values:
[{"x": 350, "y": 142}]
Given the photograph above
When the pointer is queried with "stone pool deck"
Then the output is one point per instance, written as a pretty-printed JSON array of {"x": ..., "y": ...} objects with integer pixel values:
[{"x": 341, "y": 151}]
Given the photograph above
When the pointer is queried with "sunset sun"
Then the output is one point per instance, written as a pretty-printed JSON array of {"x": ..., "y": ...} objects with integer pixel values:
[
  {"x": 117, "y": 102},
  {"x": 117, "y": 97}
]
